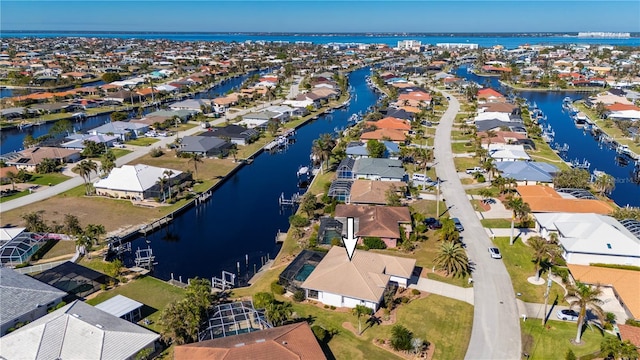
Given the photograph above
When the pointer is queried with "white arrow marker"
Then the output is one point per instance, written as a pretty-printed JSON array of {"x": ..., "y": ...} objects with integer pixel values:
[{"x": 350, "y": 241}]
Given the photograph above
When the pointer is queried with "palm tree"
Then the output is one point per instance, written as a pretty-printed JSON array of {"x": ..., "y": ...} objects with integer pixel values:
[
  {"x": 358, "y": 311},
  {"x": 195, "y": 158},
  {"x": 278, "y": 313},
  {"x": 452, "y": 259},
  {"x": 486, "y": 194},
  {"x": 520, "y": 210},
  {"x": 168, "y": 173},
  {"x": 85, "y": 168},
  {"x": 582, "y": 297},
  {"x": 233, "y": 151},
  {"x": 604, "y": 183},
  {"x": 490, "y": 167},
  {"x": 12, "y": 178},
  {"x": 162, "y": 181},
  {"x": 543, "y": 251}
]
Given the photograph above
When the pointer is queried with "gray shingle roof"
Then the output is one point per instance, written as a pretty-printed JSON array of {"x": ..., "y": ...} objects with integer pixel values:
[
  {"x": 525, "y": 170},
  {"x": 76, "y": 331},
  {"x": 20, "y": 294},
  {"x": 386, "y": 168}
]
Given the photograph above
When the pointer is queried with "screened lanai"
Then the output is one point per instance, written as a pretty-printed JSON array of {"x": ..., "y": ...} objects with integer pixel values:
[
  {"x": 18, "y": 250},
  {"x": 232, "y": 319},
  {"x": 632, "y": 225},
  {"x": 341, "y": 190}
]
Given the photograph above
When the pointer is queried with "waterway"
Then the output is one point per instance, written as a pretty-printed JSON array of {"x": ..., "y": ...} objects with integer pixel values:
[
  {"x": 509, "y": 42},
  {"x": 239, "y": 223},
  {"x": 12, "y": 139},
  {"x": 581, "y": 144}
]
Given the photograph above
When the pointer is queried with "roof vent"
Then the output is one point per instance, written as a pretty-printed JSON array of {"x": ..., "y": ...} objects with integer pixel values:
[
  {"x": 99, "y": 326},
  {"x": 284, "y": 343},
  {"x": 75, "y": 315},
  {"x": 608, "y": 246},
  {"x": 239, "y": 345}
]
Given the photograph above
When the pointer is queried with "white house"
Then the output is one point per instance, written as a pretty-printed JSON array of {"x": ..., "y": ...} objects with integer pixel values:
[
  {"x": 506, "y": 152},
  {"x": 190, "y": 104},
  {"x": 340, "y": 282},
  {"x": 136, "y": 181},
  {"x": 591, "y": 238},
  {"x": 77, "y": 331}
]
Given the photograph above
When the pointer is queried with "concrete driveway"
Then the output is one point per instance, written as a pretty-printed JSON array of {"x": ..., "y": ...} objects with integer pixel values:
[{"x": 496, "y": 327}]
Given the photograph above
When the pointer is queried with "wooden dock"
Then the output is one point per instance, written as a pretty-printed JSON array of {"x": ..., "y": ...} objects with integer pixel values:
[{"x": 281, "y": 237}]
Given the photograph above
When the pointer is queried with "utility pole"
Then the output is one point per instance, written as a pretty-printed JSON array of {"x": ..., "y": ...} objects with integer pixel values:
[
  {"x": 546, "y": 299},
  {"x": 437, "y": 197}
]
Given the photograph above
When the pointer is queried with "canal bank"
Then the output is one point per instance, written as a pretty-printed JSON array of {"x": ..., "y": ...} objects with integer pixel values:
[{"x": 234, "y": 230}]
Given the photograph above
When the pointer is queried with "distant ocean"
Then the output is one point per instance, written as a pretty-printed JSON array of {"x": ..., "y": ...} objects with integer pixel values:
[{"x": 509, "y": 41}]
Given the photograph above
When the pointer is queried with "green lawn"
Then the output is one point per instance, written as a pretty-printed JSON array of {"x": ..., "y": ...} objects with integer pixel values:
[
  {"x": 48, "y": 179},
  {"x": 60, "y": 247},
  {"x": 120, "y": 152},
  {"x": 544, "y": 153},
  {"x": 143, "y": 141},
  {"x": 496, "y": 223},
  {"x": 463, "y": 163},
  {"x": 153, "y": 293},
  {"x": 609, "y": 128},
  {"x": 14, "y": 196},
  {"x": 517, "y": 259},
  {"x": 543, "y": 343},
  {"x": 458, "y": 148},
  {"x": 444, "y": 322}
]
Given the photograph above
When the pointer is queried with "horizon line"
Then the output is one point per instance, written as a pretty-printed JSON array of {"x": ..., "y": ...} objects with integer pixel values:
[{"x": 310, "y": 32}]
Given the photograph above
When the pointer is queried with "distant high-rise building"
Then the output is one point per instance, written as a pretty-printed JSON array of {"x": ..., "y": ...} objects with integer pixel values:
[
  {"x": 601, "y": 34},
  {"x": 409, "y": 44}
]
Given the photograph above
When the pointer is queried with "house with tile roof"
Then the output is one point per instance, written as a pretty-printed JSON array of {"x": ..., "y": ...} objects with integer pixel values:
[
  {"x": 294, "y": 341},
  {"x": 588, "y": 238},
  {"x": 363, "y": 280},
  {"x": 28, "y": 159},
  {"x": 384, "y": 222},
  {"x": 488, "y": 95},
  {"x": 397, "y": 136},
  {"x": 137, "y": 182},
  {"x": 370, "y": 192},
  {"x": 631, "y": 333},
  {"x": 24, "y": 299},
  {"x": 546, "y": 199},
  {"x": 77, "y": 331}
]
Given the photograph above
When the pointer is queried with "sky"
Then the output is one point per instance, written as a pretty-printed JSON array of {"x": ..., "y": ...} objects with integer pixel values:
[{"x": 449, "y": 16}]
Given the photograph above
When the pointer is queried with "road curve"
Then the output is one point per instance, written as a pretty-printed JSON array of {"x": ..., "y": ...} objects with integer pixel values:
[{"x": 496, "y": 325}]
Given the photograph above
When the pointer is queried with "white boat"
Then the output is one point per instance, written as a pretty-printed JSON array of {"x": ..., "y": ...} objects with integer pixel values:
[{"x": 303, "y": 170}]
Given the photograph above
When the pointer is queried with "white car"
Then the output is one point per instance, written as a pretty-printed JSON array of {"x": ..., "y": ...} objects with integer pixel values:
[
  {"x": 495, "y": 253},
  {"x": 567, "y": 314},
  {"x": 118, "y": 145}
]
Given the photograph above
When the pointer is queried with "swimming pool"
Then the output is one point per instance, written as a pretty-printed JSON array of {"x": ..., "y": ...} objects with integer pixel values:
[{"x": 304, "y": 272}]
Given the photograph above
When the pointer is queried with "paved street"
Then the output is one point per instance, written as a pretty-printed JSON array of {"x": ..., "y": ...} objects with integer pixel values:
[
  {"x": 138, "y": 152},
  {"x": 496, "y": 328}
]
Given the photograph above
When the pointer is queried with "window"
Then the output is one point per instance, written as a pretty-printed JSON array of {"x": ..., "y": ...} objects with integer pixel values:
[{"x": 312, "y": 294}]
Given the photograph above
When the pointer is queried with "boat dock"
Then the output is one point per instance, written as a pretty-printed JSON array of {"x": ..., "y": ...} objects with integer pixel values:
[{"x": 281, "y": 237}]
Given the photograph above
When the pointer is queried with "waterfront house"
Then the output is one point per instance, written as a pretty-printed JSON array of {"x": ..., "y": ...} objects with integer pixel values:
[
  {"x": 204, "y": 145},
  {"x": 28, "y": 159},
  {"x": 77, "y": 331},
  {"x": 363, "y": 280},
  {"x": 379, "y": 169},
  {"x": 358, "y": 149},
  {"x": 544, "y": 199},
  {"x": 222, "y": 104},
  {"x": 259, "y": 119},
  {"x": 191, "y": 104},
  {"x": 370, "y": 192},
  {"x": 236, "y": 134},
  {"x": 489, "y": 95},
  {"x": 293, "y": 341},
  {"x": 384, "y": 222},
  {"x": 24, "y": 299},
  {"x": 507, "y": 152},
  {"x": 124, "y": 130},
  {"x": 397, "y": 136},
  {"x": 392, "y": 124},
  {"x": 137, "y": 182},
  {"x": 498, "y": 125},
  {"x": 528, "y": 172},
  {"x": 78, "y": 141},
  {"x": 588, "y": 238}
]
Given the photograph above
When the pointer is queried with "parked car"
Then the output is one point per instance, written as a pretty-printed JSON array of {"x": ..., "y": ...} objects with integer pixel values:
[
  {"x": 420, "y": 178},
  {"x": 118, "y": 145},
  {"x": 458, "y": 224},
  {"x": 430, "y": 220},
  {"x": 567, "y": 314},
  {"x": 474, "y": 170},
  {"x": 495, "y": 253},
  {"x": 436, "y": 225}
]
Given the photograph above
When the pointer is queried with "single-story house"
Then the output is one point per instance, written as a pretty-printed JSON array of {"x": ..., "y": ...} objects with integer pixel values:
[
  {"x": 370, "y": 192},
  {"x": 205, "y": 146},
  {"x": 363, "y": 280},
  {"x": 543, "y": 199},
  {"x": 507, "y": 152},
  {"x": 591, "y": 238},
  {"x": 379, "y": 169},
  {"x": 77, "y": 141},
  {"x": 293, "y": 341},
  {"x": 384, "y": 222},
  {"x": 259, "y": 119},
  {"x": 77, "y": 331},
  {"x": 528, "y": 172},
  {"x": 191, "y": 104},
  {"x": 29, "y": 158},
  {"x": 4, "y": 172},
  {"x": 137, "y": 182},
  {"x": 24, "y": 299},
  {"x": 396, "y": 136},
  {"x": 124, "y": 130},
  {"x": 358, "y": 149},
  {"x": 498, "y": 125},
  {"x": 238, "y": 135}
]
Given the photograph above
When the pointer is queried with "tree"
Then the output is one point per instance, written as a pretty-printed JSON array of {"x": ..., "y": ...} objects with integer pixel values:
[
  {"x": 92, "y": 148},
  {"x": 604, "y": 183},
  {"x": 168, "y": 174},
  {"x": 262, "y": 299},
  {"x": 486, "y": 194},
  {"x": 12, "y": 178},
  {"x": 47, "y": 166},
  {"x": 278, "y": 312},
  {"x": 195, "y": 159},
  {"x": 374, "y": 243},
  {"x": 543, "y": 252},
  {"x": 198, "y": 292},
  {"x": 582, "y": 297},
  {"x": 61, "y": 127},
  {"x": 85, "y": 168},
  {"x": 111, "y": 77},
  {"x": 34, "y": 222},
  {"x": 490, "y": 167},
  {"x": 376, "y": 148},
  {"x": 72, "y": 225},
  {"x": 572, "y": 178},
  {"x": 519, "y": 208},
  {"x": 162, "y": 181},
  {"x": 180, "y": 322},
  {"x": 612, "y": 348},
  {"x": 108, "y": 162},
  {"x": 448, "y": 231},
  {"x": 321, "y": 149},
  {"x": 308, "y": 204},
  {"x": 392, "y": 197},
  {"x": 29, "y": 141},
  {"x": 358, "y": 311},
  {"x": 119, "y": 116},
  {"x": 233, "y": 151},
  {"x": 452, "y": 258},
  {"x": 114, "y": 268},
  {"x": 401, "y": 338}
]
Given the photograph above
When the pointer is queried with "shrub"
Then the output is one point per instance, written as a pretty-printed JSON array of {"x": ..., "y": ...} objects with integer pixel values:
[
  {"x": 156, "y": 152},
  {"x": 632, "y": 322},
  {"x": 298, "y": 220},
  {"x": 374, "y": 243},
  {"x": 332, "y": 307},
  {"x": 277, "y": 288},
  {"x": 415, "y": 292},
  {"x": 570, "y": 355},
  {"x": 298, "y": 296},
  {"x": 321, "y": 334},
  {"x": 262, "y": 299},
  {"x": 401, "y": 338}
]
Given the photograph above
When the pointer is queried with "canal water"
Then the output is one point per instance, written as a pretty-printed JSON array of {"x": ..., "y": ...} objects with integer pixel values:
[
  {"x": 12, "y": 139},
  {"x": 582, "y": 145},
  {"x": 237, "y": 226}
]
